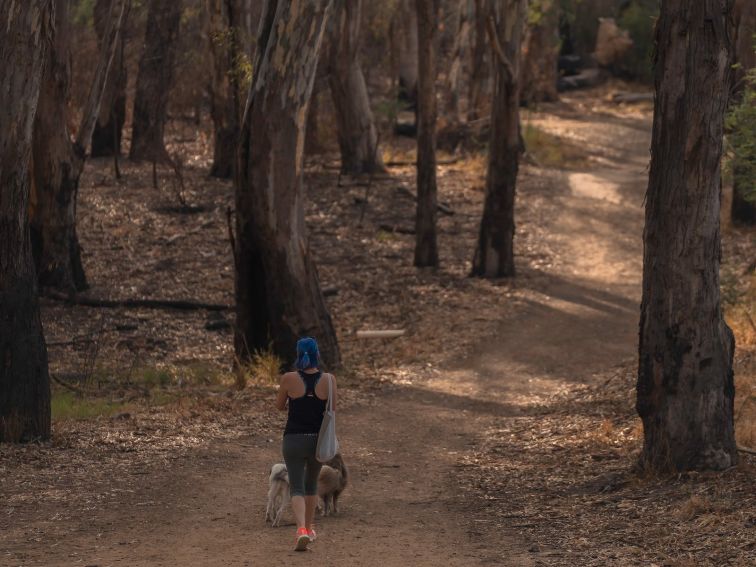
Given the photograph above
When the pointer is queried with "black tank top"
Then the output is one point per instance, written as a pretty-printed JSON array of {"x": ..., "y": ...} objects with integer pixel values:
[{"x": 306, "y": 412}]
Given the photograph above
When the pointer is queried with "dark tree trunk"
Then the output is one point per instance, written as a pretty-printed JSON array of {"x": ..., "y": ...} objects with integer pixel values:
[
  {"x": 426, "y": 247},
  {"x": 743, "y": 210},
  {"x": 685, "y": 379},
  {"x": 481, "y": 65},
  {"x": 58, "y": 163},
  {"x": 278, "y": 295},
  {"x": 26, "y": 30},
  {"x": 494, "y": 254},
  {"x": 106, "y": 138},
  {"x": 540, "y": 53},
  {"x": 57, "y": 166},
  {"x": 224, "y": 25},
  {"x": 358, "y": 138},
  {"x": 154, "y": 80}
]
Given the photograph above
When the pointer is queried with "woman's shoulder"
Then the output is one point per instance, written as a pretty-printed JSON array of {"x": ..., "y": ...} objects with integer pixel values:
[{"x": 288, "y": 377}]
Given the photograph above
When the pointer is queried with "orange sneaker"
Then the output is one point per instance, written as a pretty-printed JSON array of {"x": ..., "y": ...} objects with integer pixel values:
[
  {"x": 303, "y": 539},
  {"x": 312, "y": 534}
]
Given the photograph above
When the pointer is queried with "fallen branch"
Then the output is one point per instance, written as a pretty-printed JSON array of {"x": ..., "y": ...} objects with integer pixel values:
[
  {"x": 384, "y": 334},
  {"x": 181, "y": 304},
  {"x": 67, "y": 385}
]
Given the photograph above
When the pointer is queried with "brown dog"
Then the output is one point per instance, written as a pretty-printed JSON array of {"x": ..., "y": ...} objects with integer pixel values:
[{"x": 331, "y": 483}]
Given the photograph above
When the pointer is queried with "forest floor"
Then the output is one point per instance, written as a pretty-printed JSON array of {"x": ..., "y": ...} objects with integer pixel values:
[{"x": 499, "y": 430}]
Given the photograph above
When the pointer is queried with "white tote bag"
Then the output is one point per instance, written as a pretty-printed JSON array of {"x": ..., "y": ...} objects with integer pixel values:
[{"x": 328, "y": 445}]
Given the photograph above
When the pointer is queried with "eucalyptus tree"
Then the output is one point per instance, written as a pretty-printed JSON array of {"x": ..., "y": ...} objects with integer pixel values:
[
  {"x": 685, "y": 388},
  {"x": 278, "y": 294},
  {"x": 26, "y": 32}
]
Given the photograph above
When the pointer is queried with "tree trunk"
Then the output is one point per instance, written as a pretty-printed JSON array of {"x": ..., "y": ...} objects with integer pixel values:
[
  {"x": 58, "y": 163},
  {"x": 743, "y": 211},
  {"x": 685, "y": 378},
  {"x": 494, "y": 254},
  {"x": 358, "y": 138},
  {"x": 479, "y": 79},
  {"x": 278, "y": 295},
  {"x": 154, "y": 80},
  {"x": 540, "y": 53},
  {"x": 458, "y": 69},
  {"x": 404, "y": 46},
  {"x": 426, "y": 247},
  {"x": 106, "y": 138},
  {"x": 224, "y": 27},
  {"x": 57, "y": 166},
  {"x": 26, "y": 30}
]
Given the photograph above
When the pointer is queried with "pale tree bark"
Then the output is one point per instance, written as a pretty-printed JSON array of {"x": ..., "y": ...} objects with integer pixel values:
[
  {"x": 426, "y": 246},
  {"x": 26, "y": 30},
  {"x": 154, "y": 80},
  {"x": 106, "y": 138},
  {"x": 358, "y": 138},
  {"x": 404, "y": 49},
  {"x": 685, "y": 377},
  {"x": 481, "y": 63},
  {"x": 743, "y": 210},
  {"x": 459, "y": 69},
  {"x": 224, "y": 20},
  {"x": 58, "y": 162},
  {"x": 278, "y": 295},
  {"x": 540, "y": 53},
  {"x": 494, "y": 254}
]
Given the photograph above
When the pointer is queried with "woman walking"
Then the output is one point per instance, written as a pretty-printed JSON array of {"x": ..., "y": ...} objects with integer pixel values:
[{"x": 306, "y": 395}]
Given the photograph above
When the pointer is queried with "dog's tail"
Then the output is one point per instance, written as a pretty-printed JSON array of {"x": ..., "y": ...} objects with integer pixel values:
[
  {"x": 344, "y": 472},
  {"x": 281, "y": 474}
]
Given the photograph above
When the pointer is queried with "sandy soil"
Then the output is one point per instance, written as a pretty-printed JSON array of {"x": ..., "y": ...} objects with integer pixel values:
[{"x": 413, "y": 444}]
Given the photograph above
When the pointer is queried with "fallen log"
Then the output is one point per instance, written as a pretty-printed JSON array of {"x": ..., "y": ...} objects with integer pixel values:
[
  {"x": 181, "y": 304},
  {"x": 632, "y": 97}
]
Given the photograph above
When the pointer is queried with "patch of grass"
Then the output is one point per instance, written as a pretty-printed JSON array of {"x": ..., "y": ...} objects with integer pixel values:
[
  {"x": 67, "y": 405},
  {"x": 263, "y": 369},
  {"x": 152, "y": 377},
  {"x": 549, "y": 150}
]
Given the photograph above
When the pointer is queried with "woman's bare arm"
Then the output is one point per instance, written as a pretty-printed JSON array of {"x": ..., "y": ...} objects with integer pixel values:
[{"x": 283, "y": 394}]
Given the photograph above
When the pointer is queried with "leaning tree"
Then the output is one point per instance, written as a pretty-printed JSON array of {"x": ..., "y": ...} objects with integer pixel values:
[
  {"x": 154, "y": 80},
  {"x": 685, "y": 385},
  {"x": 426, "y": 246},
  {"x": 58, "y": 161},
  {"x": 278, "y": 295},
  {"x": 26, "y": 30},
  {"x": 494, "y": 253}
]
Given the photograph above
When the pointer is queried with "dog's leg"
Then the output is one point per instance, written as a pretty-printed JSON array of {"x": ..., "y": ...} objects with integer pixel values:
[{"x": 336, "y": 502}]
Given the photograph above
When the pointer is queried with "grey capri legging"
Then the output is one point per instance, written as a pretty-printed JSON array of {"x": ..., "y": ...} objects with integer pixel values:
[{"x": 301, "y": 464}]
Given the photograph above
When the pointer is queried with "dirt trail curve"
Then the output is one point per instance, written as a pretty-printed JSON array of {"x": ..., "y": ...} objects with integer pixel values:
[{"x": 403, "y": 506}]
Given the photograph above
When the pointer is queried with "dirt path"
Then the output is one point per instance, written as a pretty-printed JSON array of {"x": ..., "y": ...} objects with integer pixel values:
[{"x": 403, "y": 506}]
